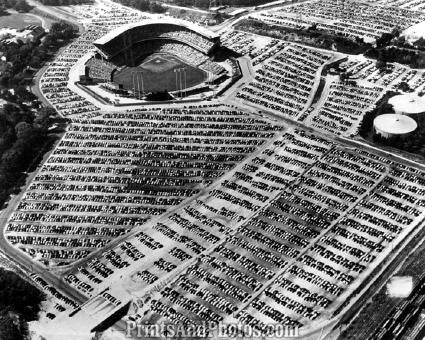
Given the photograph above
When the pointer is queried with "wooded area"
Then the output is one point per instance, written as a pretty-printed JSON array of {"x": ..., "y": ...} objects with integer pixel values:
[
  {"x": 18, "y": 5},
  {"x": 144, "y": 5},
  {"x": 207, "y": 3},
  {"x": 33, "y": 54},
  {"x": 23, "y": 124},
  {"x": 65, "y": 2},
  {"x": 19, "y": 303}
]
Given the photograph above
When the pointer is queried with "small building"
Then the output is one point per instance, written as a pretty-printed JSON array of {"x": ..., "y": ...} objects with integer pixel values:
[
  {"x": 400, "y": 286},
  {"x": 28, "y": 34}
]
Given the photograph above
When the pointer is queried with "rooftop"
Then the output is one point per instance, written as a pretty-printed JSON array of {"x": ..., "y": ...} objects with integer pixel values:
[
  {"x": 395, "y": 123},
  {"x": 157, "y": 21},
  {"x": 408, "y": 103}
]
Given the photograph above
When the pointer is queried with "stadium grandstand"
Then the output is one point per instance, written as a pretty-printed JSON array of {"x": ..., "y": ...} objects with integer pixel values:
[{"x": 123, "y": 39}]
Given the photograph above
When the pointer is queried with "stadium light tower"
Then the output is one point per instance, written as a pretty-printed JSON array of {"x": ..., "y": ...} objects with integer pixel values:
[
  {"x": 138, "y": 84},
  {"x": 185, "y": 81},
  {"x": 134, "y": 85},
  {"x": 177, "y": 83},
  {"x": 143, "y": 84},
  {"x": 181, "y": 84},
  {"x": 180, "y": 80}
]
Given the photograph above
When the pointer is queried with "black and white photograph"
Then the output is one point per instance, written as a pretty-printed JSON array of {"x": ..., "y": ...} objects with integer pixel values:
[{"x": 212, "y": 169}]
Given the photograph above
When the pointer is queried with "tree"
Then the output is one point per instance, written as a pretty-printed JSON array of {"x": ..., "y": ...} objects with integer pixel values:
[
  {"x": 36, "y": 61},
  {"x": 156, "y": 7},
  {"x": 62, "y": 30},
  {"x": 313, "y": 27},
  {"x": 404, "y": 86},
  {"x": 9, "y": 328},
  {"x": 202, "y": 3},
  {"x": 381, "y": 65},
  {"x": 401, "y": 41},
  {"x": 23, "y": 94},
  {"x": 344, "y": 76},
  {"x": 23, "y": 130},
  {"x": 420, "y": 43},
  {"x": 384, "y": 39},
  {"x": 396, "y": 31},
  {"x": 22, "y": 6},
  {"x": 10, "y": 3},
  {"x": 44, "y": 117},
  {"x": 3, "y": 10}
]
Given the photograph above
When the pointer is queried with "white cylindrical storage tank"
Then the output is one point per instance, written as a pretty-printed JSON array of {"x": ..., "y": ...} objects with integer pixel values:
[
  {"x": 392, "y": 125},
  {"x": 408, "y": 104}
]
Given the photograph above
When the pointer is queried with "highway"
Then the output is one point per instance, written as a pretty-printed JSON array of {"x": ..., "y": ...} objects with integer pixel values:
[{"x": 251, "y": 10}]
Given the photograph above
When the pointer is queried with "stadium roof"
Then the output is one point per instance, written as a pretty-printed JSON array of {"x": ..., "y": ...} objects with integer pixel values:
[
  {"x": 408, "y": 103},
  {"x": 157, "y": 21},
  {"x": 395, "y": 124}
]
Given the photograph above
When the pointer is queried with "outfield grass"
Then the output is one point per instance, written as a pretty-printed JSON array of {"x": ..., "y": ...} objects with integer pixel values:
[
  {"x": 159, "y": 75},
  {"x": 18, "y": 21}
]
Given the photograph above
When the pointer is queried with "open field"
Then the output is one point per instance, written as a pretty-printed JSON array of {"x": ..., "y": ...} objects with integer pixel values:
[{"x": 18, "y": 21}]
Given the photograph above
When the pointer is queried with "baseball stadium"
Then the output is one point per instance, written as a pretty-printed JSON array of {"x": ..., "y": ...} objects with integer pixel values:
[{"x": 154, "y": 56}]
